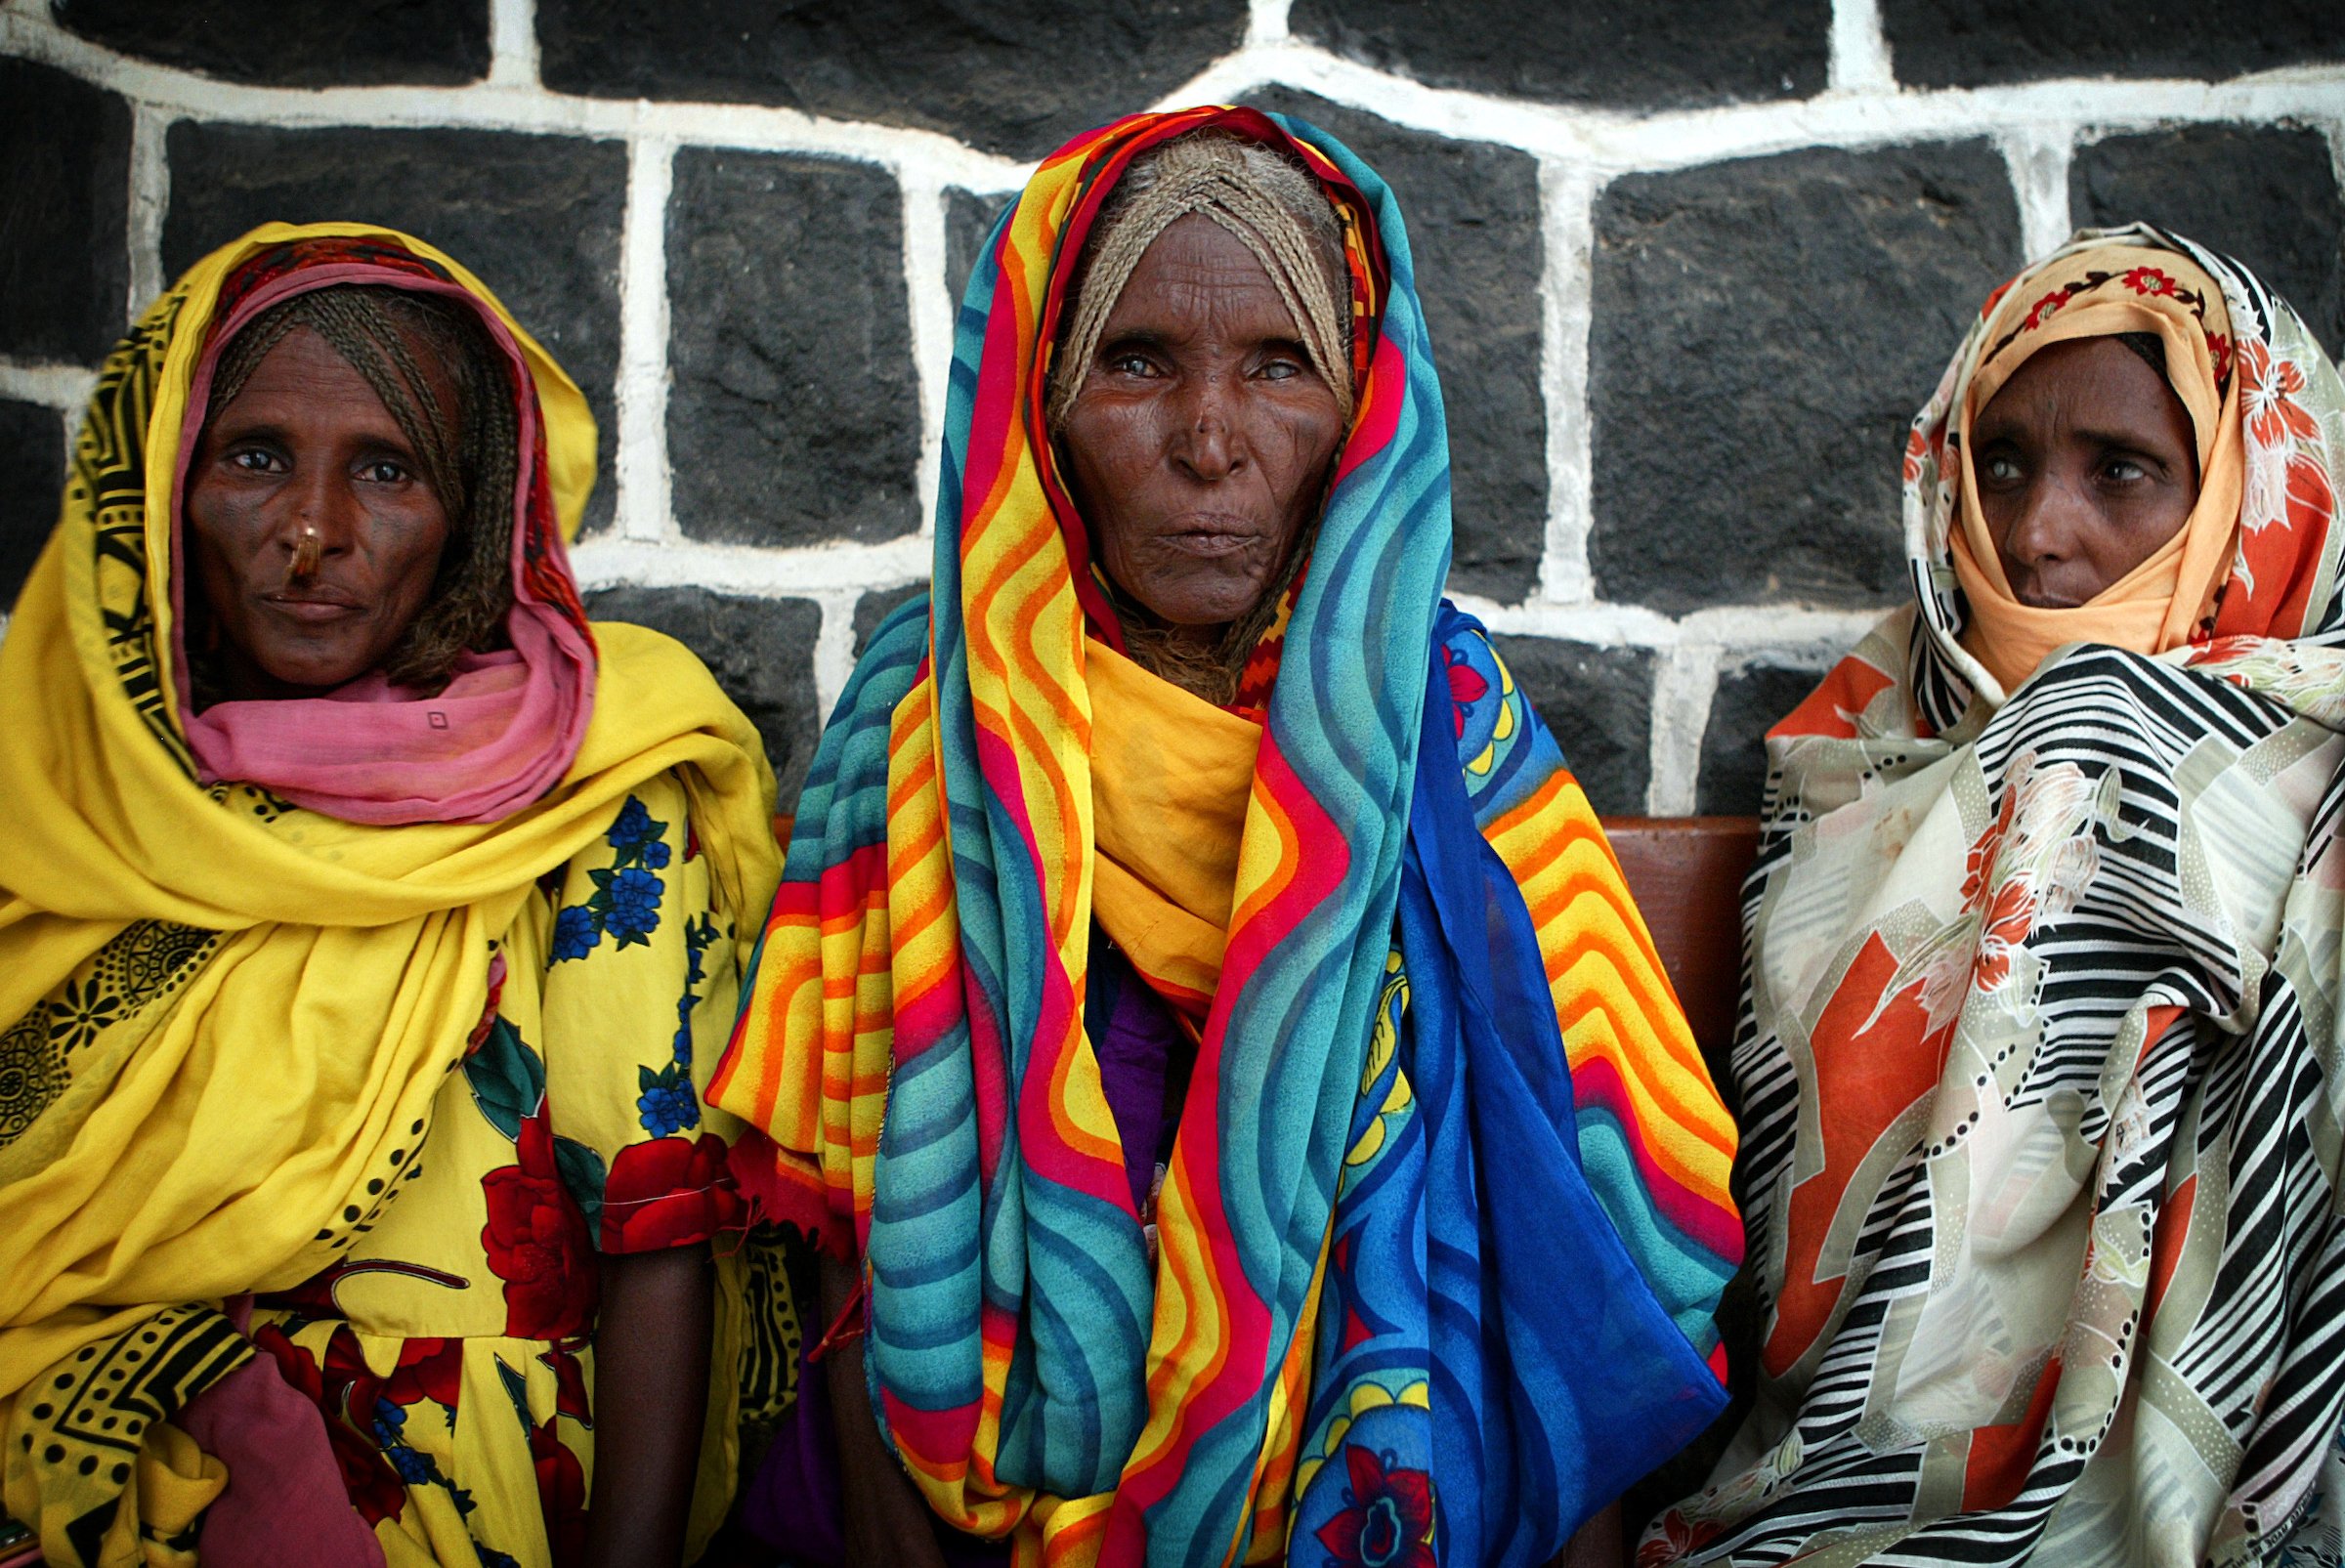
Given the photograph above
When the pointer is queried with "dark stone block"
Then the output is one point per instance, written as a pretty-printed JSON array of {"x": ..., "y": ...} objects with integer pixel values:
[
  {"x": 969, "y": 223},
  {"x": 873, "y": 607},
  {"x": 355, "y": 42},
  {"x": 536, "y": 218},
  {"x": 796, "y": 412},
  {"x": 64, "y": 206},
  {"x": 1960, "y": 43},
  {"x": 32, "y": 476},
  {"x": 762, "y": 652},
  {"x": 1747, "y": 703},
  {"x": 1763, "y": 332},
  {"x": 1598, "y": 702},
  {"x": 1642, "y": 57},
  {"x": 2267, "y": 194},
  {"x": 1016, "y": 77},
  {"x": 1472, "y": 215}
]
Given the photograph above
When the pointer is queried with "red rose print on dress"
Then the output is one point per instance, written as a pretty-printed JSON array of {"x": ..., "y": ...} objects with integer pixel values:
[
  {"x": 669, "y": 1192},
  {"x": 561, "y": 1492},
  {"x": 537, "y": 1243}
]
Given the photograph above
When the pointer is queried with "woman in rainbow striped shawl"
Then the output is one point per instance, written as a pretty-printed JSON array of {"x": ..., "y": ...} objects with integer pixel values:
[{"x": 1200, "y": 998}]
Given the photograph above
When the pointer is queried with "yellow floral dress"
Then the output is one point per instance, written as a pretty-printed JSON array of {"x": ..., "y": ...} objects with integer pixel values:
[{"x": 452, "y": 1349}]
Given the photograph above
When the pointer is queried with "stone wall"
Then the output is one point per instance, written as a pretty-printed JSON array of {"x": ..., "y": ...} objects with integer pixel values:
[{"x": 1689, "y": 266}]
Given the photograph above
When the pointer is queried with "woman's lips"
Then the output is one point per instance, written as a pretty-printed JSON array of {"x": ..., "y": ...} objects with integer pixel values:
[
  {"x": 310, "y": 608},
  {"x": 1210, "y": 535}
]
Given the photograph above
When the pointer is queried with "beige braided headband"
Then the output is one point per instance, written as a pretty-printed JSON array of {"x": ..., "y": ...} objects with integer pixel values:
[{"x": 1211, "y": 176}]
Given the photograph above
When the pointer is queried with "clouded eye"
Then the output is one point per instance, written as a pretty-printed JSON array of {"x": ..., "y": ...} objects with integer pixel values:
[
  {"x": 256, "y": 460},
  {"x": 1999, "y": 468}
]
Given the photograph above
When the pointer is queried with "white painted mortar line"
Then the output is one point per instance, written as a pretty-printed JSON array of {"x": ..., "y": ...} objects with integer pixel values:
[
  {"x": 513, "y": 43},
  {"x": 833, "y": 650},
  {"x": 1568, "y": 224},
  {"x": 63, "y": 387},
  {"x": 606, "y": 561},
  {"x": 1266, "y": 21},
  {"x": 1735, "y": 627},
  {"x": 150, "y": 200},
  {"x": 644, "y": 503},
  {"x": 1859, "y": 57},
  {"x": 2038, "y": 158},
  {"x": 1682, "y": 686},
  {"x": 930, "y": 310}
]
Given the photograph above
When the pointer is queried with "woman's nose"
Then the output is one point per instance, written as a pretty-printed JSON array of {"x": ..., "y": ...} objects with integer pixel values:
[
  {"x": 2050, "y": 524},
  {"x": 319, "y": 518},
  {"x": 1205, "y": 442}
]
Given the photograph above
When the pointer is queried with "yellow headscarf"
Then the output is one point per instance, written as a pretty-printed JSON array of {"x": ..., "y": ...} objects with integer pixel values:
[
  {"x": 221, "y": 1011},
  {"x": 2100, "y": 292}
]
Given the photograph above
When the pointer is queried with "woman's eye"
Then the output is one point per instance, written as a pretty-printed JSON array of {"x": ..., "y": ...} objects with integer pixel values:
[
  {"x": 2124, "y": 471},
  {"x": 253, "y": 460},
  {"x": 2000, "y": 469},
  {"x": 1280, "y": 371},
  {"x": 382, "y": 471},
  {"x": 1129, "y": 364}
]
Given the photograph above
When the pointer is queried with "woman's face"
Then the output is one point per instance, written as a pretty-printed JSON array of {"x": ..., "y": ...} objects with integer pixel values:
[
  {"x": 307, "y": 444},
  {"x": 1199, "y": 442},
  {"x": 2086, "y": 464}
]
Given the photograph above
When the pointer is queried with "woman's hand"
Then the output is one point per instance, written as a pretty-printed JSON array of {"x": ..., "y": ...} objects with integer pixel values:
[
  {"x": 651, "y": 1400},
  {"x": 887, "y": 1521}
]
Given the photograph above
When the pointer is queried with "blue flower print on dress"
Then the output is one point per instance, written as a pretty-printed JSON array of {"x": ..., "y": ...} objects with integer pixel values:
[
  {"x": 576, "y": 933},
  {"x": 668, "y": 1104},
  {"x": 625, "y": 903}
]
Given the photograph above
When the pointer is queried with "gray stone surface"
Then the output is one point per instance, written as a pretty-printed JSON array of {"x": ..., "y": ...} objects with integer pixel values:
[
  {"x": 536, "y": 218},
  {"x": 357, "y": 42},
  {"x": 32, "y": 476},
  {"x": 1598, "y": 702},
  {"x": 1947, "y": 43},
  {"x": 1747, "y": 703},
  {"x": 2267, "y": 194},
  {"x": 1472, "y": 215},
  {"x": 1012, "y": 76},
  {"x": 795, "y": 410},
  {"x": 762, "y": 652},
  {"x": 1680, "y": 52},
  {"x": 65, "y": 273},
  {"x": 1764, "y": 330},
  {"x": 873, "y": 607}
]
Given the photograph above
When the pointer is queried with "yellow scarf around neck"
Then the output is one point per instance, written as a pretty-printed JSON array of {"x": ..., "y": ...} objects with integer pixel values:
[{"x": 1171, "y": 776}]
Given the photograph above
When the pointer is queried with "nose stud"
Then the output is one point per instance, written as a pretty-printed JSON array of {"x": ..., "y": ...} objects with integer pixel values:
[{"x": 307, "y": 554}]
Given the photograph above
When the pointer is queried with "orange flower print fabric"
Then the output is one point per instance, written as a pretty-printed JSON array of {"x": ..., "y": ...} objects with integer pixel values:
[{"x": 452, "y": 1349}]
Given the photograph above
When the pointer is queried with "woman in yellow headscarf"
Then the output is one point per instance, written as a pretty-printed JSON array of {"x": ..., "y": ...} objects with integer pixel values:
[{"x": 371, "y": 922}]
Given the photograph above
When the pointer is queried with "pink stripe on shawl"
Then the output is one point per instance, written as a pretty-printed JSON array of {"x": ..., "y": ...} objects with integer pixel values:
[{"x": 508, "y": 724}]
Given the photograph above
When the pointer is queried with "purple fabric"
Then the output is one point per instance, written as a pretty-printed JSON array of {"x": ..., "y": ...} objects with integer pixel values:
[
  {"x": 285, "y": 1506},
  {"x": 794, "y": 1505}
]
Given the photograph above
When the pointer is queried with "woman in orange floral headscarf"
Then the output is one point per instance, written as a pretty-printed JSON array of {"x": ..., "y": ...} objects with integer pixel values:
[{"x": 2042, "y": 1050}]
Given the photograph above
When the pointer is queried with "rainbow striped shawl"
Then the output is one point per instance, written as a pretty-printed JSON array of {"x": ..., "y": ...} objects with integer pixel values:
[{"x": 1449, "y": 1160}]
